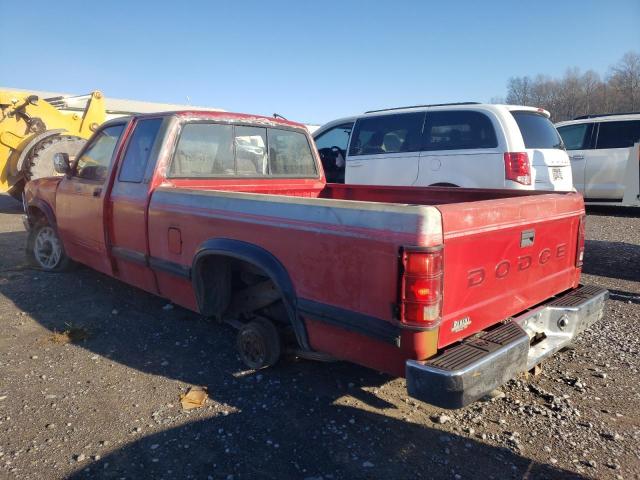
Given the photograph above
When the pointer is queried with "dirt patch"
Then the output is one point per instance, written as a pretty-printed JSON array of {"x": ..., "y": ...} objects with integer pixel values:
[{"x": 70, "y": 335}]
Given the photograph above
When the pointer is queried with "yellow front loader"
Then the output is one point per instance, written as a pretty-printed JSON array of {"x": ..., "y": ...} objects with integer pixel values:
[{"x": 32, "y": 130}]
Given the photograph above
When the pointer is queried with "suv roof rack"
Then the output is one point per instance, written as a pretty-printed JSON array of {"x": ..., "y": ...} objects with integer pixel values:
[
  {"x": 422, "y": 106},
  {"x": 582, "y": 117}
]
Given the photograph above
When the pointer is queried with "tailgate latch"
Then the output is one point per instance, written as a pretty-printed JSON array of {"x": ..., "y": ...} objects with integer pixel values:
[{"x": 527, "y": 237}]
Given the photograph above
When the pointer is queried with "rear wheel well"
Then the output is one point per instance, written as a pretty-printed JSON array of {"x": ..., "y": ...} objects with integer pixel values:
[{"x": 238, "y": 291}]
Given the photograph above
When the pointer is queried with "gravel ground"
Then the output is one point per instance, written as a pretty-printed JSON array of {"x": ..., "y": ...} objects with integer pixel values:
[{"x": 107, "y": 406}]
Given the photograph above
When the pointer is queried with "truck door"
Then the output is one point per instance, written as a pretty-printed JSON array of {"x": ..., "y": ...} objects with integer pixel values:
[
  {"x": 129, "y": 200},
  {"x": 81, "y": 196}
]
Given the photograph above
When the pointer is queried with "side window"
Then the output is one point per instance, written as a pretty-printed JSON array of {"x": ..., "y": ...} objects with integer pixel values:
[
  {"x": 290, "y": 154},
  {"x": 387, "y": 134},
  {"x": 336, "y": 137},
  {"x": 574, "y": 136},
  {"x": 251, "y": 151},
  {"x": 458, "y": 130},
  {"x": 96, "y": 159},
  {"x": 139, "y": 149},
  {"x": 203, "y": 150},
  {"x": 618, "y": 134}
]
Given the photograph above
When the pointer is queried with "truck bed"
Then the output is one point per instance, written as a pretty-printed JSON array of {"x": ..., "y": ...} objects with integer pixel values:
[{"x": 481, "y": 231}]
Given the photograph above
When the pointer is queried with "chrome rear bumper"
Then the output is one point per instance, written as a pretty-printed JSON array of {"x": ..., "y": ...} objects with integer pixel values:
[{"x": 467, "y": 371}]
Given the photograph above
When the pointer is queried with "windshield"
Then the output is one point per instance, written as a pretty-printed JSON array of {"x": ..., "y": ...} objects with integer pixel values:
[{"x": 537, "y": 130}]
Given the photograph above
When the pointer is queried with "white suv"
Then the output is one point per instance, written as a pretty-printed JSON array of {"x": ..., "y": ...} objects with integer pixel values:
[
  {"x": 463, "y": 144},
  {"x": 604, "y": 157}
]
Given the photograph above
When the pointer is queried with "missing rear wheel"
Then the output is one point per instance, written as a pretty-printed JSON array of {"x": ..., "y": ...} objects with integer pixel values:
[{"x": 259, "y": 344}]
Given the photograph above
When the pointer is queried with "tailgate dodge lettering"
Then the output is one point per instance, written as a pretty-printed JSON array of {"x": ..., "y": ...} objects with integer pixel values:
[{"x": 476, "y": 276}]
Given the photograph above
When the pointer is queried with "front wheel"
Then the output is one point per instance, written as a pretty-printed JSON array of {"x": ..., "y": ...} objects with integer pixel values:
[{"x": 45, "y": 249}]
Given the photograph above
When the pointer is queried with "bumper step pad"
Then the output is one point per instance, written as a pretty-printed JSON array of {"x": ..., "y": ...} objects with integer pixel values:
[
  {"x": 577, "y": 297},
  {"x": 474, "y": 348},
  {"x": 464, "y": 373}
]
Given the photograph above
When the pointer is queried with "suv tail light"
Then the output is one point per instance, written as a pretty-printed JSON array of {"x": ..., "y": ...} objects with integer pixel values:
[
  {"x": 421, "y": 287},
  {"x": 581, "y": 236},
  {"x": 517, "y": 167}
]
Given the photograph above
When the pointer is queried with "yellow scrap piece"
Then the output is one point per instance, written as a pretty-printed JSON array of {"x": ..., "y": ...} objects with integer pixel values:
[{"x": 194, "y": 398}]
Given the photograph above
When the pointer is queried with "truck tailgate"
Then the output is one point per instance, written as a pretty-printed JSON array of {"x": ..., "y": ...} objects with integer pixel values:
[{"x": 504, "y": 256}]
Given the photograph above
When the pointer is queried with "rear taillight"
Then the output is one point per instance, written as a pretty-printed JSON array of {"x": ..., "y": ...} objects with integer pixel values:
[
  {"x": 517, "y": 167},
  {"x": 421, "y": 287},
  {"x": 581, "y": 235}
]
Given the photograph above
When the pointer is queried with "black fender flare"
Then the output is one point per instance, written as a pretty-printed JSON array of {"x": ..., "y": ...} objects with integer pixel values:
[{"x": 261, "y": 258}]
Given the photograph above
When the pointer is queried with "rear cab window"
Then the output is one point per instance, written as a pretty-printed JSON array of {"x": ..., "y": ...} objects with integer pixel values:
[
  {"x": 537, "y": 130},
  {"x": 209, "y": 150}
]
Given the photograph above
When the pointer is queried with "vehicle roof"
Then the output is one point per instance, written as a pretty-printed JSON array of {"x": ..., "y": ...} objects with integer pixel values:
[
  {"x": 460, "y": 106},
  {"x": 445, "y": 107},
  {"x": 225, "y": 117},
  {"x": 604, "y": 118}
]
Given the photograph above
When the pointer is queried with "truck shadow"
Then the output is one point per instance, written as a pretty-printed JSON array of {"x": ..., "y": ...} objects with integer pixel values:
[
  {"x": 298, "y": 420},
  {"x": 289, "y": 442},
  {"x": 612, "y": 259}
]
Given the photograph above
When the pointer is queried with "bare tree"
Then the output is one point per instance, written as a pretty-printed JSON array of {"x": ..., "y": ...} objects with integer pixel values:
[
  {"x": 519, "y": 90},
  {"x": 625, "y": 80},
  {"x": 590, "y": 85},
  {"x": 579, "y": 93}
]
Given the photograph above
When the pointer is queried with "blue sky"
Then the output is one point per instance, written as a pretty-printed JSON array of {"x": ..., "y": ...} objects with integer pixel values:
[{"x": 309, "y": 61}]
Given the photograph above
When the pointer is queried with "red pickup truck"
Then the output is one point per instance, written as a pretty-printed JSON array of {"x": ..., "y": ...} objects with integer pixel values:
[{"x": 229, "y": 215}]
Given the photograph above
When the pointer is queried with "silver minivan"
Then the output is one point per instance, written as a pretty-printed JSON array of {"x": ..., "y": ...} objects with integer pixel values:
[{"x": 604, "y": 157}]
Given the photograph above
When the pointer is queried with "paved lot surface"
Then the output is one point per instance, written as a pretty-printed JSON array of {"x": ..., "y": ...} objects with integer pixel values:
[{"x": 107, "y": 406}]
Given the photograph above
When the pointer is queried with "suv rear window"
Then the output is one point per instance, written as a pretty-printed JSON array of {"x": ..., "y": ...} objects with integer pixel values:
[
  {"x": 618, "y": 134},
  {"x": 537, "y": 130},
  {"x": 387, "y": 134}
]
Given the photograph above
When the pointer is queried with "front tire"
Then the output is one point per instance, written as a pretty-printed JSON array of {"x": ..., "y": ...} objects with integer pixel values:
[{"x": 45, "y": 249}]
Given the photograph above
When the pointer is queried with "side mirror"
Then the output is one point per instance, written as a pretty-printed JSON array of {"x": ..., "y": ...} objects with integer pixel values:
[{"x": 61, "y": 163}]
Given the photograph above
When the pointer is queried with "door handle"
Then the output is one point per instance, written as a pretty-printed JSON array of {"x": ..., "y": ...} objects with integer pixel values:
[
  {"x": 577, "y": 157},
  {"x": 97, "y": 191}
]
